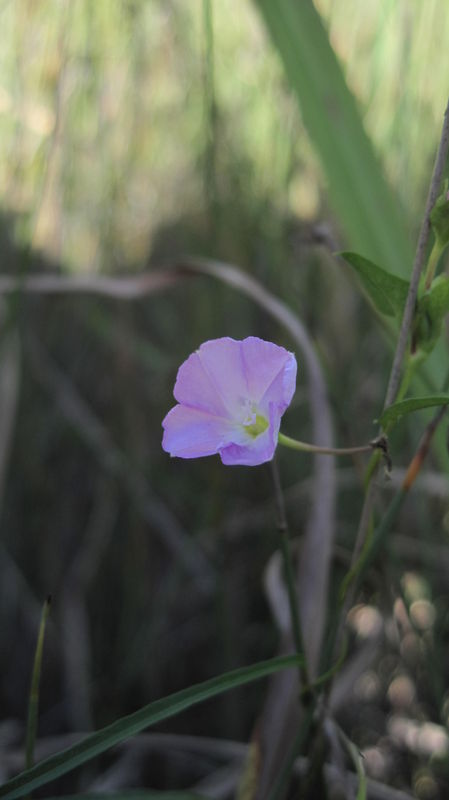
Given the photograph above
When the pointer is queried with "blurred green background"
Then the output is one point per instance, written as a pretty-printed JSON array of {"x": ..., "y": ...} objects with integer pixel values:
[
  {"x": 133, "y": 132},
  {"x": 117, "y": 117}
]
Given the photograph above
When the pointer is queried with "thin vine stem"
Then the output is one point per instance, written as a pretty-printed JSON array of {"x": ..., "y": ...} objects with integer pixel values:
[
  {"x": 33, "y": 702},
  {"x": 395, "y": 375},
  {"x": 289, "y": 573},
  {"x": 396, "y": 379},
  {"x": 304, "y": 447}
]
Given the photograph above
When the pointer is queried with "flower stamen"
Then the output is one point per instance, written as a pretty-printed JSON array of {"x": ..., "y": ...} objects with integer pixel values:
[{"x": 257, "y": 427}]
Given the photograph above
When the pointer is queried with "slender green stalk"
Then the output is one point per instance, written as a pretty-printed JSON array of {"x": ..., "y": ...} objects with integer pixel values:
[
  {"x": 358, "y": 764},
  {"x": 410, "y": 304},
  {"x": 411, "y": 365},
  {"x": 304, "y": 447},
  {"x": 434, "y": 258},
  {"x": 291, "y": 588},
  {"x": 289, "y": 574},
  {"x": 373, "y": 542},
  {"x": 281, "y": 784},
  {"x": 33, "y": 703}
]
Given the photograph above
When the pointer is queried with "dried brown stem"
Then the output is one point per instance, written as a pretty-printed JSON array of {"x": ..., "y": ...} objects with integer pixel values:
[{"x": 423, "y": 448}]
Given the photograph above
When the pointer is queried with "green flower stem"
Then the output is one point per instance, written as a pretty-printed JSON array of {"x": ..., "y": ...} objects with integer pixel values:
[
  {"x": 293, "y": 601},
  {"x": 434, "y": 257},
  {"x": 411, "y": 365},
  {"x": 372, "y": 544},
  {"x": 289, "y": 575},
  {"x": 378, "y": 536},
  {"x": 33, "y": 703},
  {"x": 281, "y": 783},
  {"x": 294, "y": 444}
]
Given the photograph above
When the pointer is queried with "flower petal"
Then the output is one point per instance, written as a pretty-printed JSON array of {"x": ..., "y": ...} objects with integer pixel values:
[
  {"x": 282, "y": 389},
  {"x": 195, "y": 388},
  {"x": 191, "y": 432},
  {"x": 255, "y": 450},
  {"x": 222, "y": 361},
  {"x": 264, "y": 363},
  {"x": 224, "y": 390}
]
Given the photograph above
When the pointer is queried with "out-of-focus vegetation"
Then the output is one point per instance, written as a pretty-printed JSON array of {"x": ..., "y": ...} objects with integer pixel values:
[
  {"x": 113, "y": 123},
  {"x": 133, "y": 132}
]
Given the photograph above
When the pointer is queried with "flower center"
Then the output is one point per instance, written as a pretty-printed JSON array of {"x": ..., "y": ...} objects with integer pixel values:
[{"x": 257, "y": 426}]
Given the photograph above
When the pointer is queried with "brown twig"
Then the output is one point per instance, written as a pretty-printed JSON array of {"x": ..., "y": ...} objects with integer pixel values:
[{"x": 423, "y": 448}]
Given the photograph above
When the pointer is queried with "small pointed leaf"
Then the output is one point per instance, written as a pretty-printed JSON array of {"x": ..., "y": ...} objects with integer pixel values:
[
  {"x": 386, "y": 291},
  {"x": 397, "y": 410}
]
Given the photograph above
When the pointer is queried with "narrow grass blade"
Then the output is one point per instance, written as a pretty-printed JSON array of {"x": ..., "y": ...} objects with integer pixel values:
[
  {"x": 357, "y": 760},
  {"x": 122, "y": 729},
  {"x": 362, "y": 200},
  {"x": 33, "y": 703}
]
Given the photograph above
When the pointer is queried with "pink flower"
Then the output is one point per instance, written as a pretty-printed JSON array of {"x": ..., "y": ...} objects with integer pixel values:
[{"x": 231, "y": 397}]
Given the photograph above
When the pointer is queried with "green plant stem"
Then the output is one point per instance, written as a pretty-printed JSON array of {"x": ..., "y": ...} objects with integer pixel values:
[
  {"x": 434, "y": 257},
  {"x": 357, "y": 760},
  {"x": 292, "y": 598},
  {"x": 295, "y": 444},
  {"x": 374, "y": 541},
  {"x": 421, "y": 248},
  {"x": 281, "y": 784},
  {"x": 411, "y": 365},
  {"x": 410, "y": 369},
  {"x": 33, "y": 703},
  {"x": 289, "y": 575}
]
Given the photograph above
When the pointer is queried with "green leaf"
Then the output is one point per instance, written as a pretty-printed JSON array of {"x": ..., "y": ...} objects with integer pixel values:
[
  {"x": 362, "y": 200},
  {"x": 387, "y": 292},
  {"x": 122, "y": 729},
  {"x": 393, "y": 412}
]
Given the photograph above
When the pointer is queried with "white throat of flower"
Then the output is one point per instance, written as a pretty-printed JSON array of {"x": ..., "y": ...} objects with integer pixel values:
[{"x": 253, "y": 422}]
